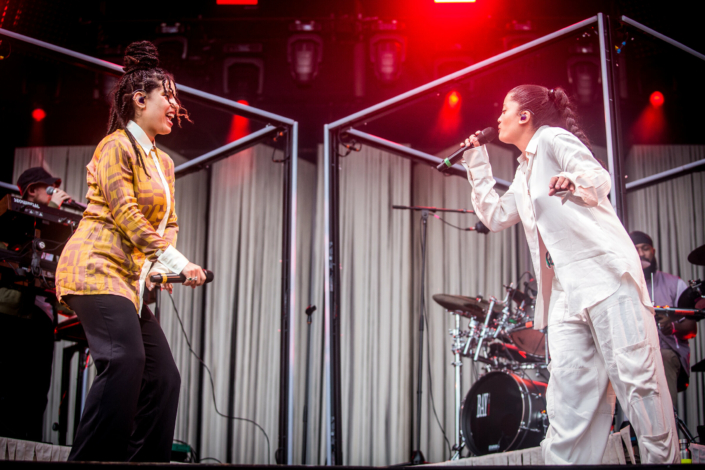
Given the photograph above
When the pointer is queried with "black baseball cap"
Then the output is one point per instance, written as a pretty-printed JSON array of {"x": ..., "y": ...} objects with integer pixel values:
[
  {"x": 35, "y": 175},
  {"x": 640, "y": 237}
]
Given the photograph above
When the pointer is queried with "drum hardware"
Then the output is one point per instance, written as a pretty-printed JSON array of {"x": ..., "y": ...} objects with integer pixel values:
[
  {"x": 472, "y": 329},
  {"x": 503, "y": 321},
  {"x": 457, "y": 347},
  {"x": 485, "y": 326}
]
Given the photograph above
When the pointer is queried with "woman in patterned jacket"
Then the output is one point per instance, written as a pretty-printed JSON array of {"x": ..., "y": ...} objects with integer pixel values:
[{"x": 128, "y": 230}]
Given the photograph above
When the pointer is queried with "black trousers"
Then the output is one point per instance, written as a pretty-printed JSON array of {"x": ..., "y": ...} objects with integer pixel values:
[
  {"x": 26, "y": 356},
  {"x": 130, "y": 411}
]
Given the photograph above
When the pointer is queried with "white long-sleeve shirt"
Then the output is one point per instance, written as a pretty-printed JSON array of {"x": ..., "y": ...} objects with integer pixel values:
[{"x": 588, "y": 245}]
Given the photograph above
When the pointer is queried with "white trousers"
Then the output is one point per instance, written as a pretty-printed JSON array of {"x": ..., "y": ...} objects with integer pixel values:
[{"x": 611, "y": 348}]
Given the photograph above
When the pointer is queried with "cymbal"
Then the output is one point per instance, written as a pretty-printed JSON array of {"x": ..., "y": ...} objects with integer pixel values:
[
  {"x": 470, "y": 307},
  {"x": 697, "y": 256}
]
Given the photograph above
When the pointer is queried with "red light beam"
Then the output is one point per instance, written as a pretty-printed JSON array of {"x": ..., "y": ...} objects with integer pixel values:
[
  {"x": 38, "y": 114},
  {"x": 656, "y": 99}
]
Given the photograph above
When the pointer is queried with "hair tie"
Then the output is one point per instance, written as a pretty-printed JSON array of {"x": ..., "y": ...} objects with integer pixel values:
[{"x": 552, "y": 94}]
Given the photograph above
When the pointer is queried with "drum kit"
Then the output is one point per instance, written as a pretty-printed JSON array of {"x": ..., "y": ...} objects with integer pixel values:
[{"x": 506, "y": 407}]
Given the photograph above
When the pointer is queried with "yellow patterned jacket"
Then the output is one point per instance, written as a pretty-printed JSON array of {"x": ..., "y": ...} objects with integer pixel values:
[{"x": 130, "y": 220}]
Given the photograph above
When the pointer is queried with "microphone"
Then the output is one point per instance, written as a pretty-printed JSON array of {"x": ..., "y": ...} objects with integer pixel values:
[
  {"x": 479, "y": 228},
  {"x": 172, "y": 278},
  {"x": 485, "y": 137},
  {"x": 69, "y": 202}
]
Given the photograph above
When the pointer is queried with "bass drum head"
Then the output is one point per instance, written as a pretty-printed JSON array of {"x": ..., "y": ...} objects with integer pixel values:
[{"x": 502, "y": 412}]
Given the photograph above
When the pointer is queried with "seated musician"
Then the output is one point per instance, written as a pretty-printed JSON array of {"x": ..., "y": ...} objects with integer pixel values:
[
  {"x": 674, "y": 330},
  {"x": 26, "y": 334}
]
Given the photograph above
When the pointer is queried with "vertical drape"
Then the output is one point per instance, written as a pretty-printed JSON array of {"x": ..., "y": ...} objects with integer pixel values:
[
  {"x": 376, "y": 273},
  {"x": 310, "y": 292},
  {"x": 673, "y": 213},
  {"x": 244, "y": 305}
]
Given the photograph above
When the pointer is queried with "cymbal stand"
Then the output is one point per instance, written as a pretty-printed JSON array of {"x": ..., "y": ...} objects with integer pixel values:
[
  {"x": 485, "y": 325},
  {"x": 472, "y": 327},
  {"x": 457, "y": 347},
  {"x": 505, "y": 311}
]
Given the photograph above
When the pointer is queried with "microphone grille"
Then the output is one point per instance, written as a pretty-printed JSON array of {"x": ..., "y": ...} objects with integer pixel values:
[{"x": 488, "y": 135}]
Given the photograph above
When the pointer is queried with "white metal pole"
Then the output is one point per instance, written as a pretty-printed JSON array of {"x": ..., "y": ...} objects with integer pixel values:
[
  {"x": 326, "y": 290},
  {"x": 292, "y": 292},
  {"x": 608, "y": 108}
]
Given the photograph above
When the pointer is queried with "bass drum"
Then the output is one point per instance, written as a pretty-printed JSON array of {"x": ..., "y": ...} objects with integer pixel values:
[{"x": 503, "y": 411}]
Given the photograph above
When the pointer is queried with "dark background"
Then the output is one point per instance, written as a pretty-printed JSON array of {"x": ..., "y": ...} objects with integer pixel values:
[{"x": 440, "y": 38}]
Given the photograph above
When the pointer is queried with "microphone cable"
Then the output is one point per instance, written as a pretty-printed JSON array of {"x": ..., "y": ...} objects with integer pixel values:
[
  {"x": 428, "y": 358},
  {"x": 210, "y": 375}
]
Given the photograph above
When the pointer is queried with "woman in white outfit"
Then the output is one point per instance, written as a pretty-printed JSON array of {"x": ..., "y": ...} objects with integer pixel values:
[{"x": 592, "y": 295}]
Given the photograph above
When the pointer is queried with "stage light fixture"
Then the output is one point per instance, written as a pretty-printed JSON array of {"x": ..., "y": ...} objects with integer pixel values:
[
  {"x": 304, "y": 54},
  {"x": 387, "y": 53},
  {"x": 38, "y": 114},
  {"x": 584, "y": 73},
  {"x": 243, "y": 77},
  {"x": 453, "y": 99},
  {"x": 656, "y": 99},
  {"x": 172, "y": 48}
]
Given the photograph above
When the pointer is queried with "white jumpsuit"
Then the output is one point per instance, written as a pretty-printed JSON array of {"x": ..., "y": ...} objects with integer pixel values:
[{"x": 602, "y": 336}]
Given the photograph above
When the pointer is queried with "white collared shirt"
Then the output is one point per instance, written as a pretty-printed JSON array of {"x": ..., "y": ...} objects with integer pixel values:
[
  {"x": 587, "y": 243},
  {"x": 171, "y": 257}
]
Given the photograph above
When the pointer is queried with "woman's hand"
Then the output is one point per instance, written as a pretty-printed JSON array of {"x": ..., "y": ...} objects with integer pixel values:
[
  {"x": 472, "y": 141},
  {"x": 560, "y": 183},
  {"x": 150, "y": 285},
  {"x": 194, "y": 275}
]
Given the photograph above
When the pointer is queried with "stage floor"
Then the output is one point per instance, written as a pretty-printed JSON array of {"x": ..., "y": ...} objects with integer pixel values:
[{"x": 20, "y": 465}]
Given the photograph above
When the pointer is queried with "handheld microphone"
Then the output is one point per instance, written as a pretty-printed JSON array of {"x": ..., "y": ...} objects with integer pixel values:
[
  {"x": 173, "y": 278},
  {"x": 479, "y": 228},
  {"x": 485, "y": 137},
  {"x": 69, "y": 202}
]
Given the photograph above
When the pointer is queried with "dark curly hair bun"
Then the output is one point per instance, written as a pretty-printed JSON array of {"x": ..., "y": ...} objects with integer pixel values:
[{"x": 140, "y": 55}]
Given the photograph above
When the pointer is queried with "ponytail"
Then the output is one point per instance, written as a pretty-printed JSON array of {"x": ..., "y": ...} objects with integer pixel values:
[{"x": 549, "y": 107}]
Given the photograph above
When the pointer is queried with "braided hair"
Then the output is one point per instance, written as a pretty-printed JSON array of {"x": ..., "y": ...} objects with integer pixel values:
[
  {"x": 549, "y": 107},
  {"x": 142, "y": 74}
]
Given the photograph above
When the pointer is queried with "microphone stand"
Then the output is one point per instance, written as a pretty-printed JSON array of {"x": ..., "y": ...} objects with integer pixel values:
[
  {"x": 309, "y": 313},
  {"x": 417, "y": 457},
  {"x": 157, "y": 302}
]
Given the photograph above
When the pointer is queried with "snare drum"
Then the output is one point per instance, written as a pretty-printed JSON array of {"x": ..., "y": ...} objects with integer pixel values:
[{"x": 503, "y": 411}]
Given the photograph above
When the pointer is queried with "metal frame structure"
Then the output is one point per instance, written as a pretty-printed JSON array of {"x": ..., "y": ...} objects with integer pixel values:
[
  {"x": 345, "y": 128},
  {"x": 275, "y": 124}
]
